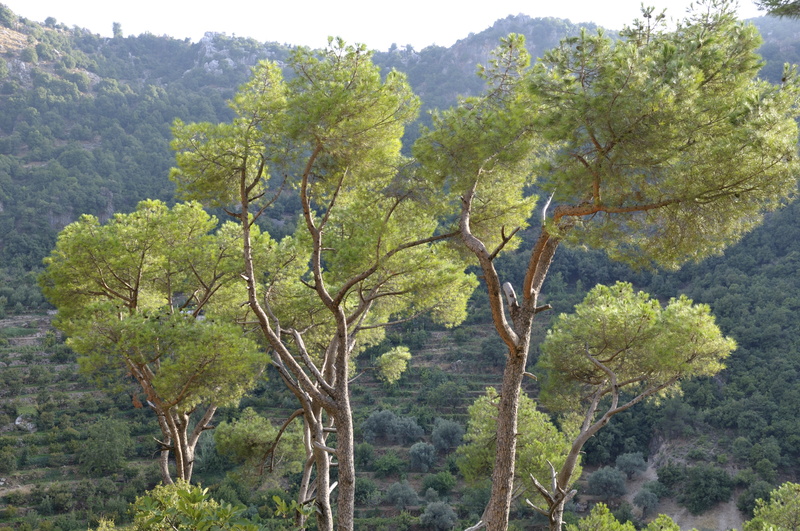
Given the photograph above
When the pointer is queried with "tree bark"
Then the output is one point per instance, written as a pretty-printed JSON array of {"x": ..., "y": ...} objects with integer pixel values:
[
  {"x": 346, "y": 461},
  {"x": 497, "y": 512},
  {"x": 163, "y": 466},
  {"x": 322, "y": 460}
]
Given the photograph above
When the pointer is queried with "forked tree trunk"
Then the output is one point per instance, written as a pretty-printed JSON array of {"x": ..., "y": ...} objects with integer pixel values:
[
  {"x": 516, "y": 333},
  {"x": 174, "y": 425}
]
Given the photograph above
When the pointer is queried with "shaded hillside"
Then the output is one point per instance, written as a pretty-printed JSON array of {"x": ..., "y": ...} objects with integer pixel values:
[
  {"x": 86, "y": 120},
  {"x": 440, "y": 75},
  {"x": 85, "y": 126}
]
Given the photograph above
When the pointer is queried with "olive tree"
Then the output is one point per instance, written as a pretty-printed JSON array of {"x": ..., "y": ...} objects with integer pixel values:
[{"x": 659, "y": 147}]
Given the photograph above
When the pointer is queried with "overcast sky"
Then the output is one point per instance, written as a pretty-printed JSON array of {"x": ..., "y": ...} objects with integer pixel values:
[{"x": 378, "y": 24}]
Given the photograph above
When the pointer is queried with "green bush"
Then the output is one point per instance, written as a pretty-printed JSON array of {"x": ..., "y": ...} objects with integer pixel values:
[
  {"x": 8, "y": 460},
  {"x": 443, "y": 482},
  {"x": 607, "y": 483},
  {"x": 746, "y": 502},
  {"x": 28, "y": 55},
  {"x": 389, "y": 464},
  {"x": 704, "y": 487},
  {"x": 188, "y": 507},
  {"x": 364, "y": 455},
  {"x": 421, "y": 456},
  {"x": 367, "y": 492},
  {"x": 671, "y": 474},
  {"x": 105, "y": 450},
  {"x": 439, "y": 516},
  {"x": 401, "y": 495}
]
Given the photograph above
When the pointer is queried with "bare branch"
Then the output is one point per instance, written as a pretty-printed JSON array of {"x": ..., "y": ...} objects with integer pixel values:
[
  {"x": 505, "y": 239},
  {"x": 324, "y": 448},
  {"x": 271, "y": 450},
  {"x": 301, "y": 348}
]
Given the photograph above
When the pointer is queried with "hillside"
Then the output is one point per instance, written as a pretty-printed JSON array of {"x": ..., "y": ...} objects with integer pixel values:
[{"x": 85, "y": 127}]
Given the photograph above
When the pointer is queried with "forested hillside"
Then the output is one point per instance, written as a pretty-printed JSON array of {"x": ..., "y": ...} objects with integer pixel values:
[{"x": 85, "y": 127}]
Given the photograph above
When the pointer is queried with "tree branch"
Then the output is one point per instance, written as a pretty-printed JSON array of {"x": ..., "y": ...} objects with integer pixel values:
[{"x": 271, "y": 450}]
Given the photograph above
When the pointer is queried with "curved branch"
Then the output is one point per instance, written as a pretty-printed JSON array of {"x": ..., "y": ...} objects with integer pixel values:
[
  {"x": 271, "y": 450},
  {"x": 490, "y": 275}
]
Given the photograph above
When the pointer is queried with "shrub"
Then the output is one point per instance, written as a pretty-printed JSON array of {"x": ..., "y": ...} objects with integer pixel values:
[
  {"x": 401, "y": 495},
  {"x": 447, "y": 434},
  {"x": 389, "y": 464},
  {"x": 28, "y": 55},
  {"x": 106, "y": 448},
  {"x": 367, "y": 491},
  {"x": 671, "y": 474},
  {"x": 184, "y": 506},
  {"x": 8, "y": 460},
  {"x": 746, "y": 501},
  {"x": 607, "y": 483},
  {"x": 443, "y": 482},
  {"x": 438, "y": 515},
  {"x": 447, "y": 395},
  {"x": 422, "y": 456},
  {"x": 705, "y": 486},
  {"x": 631, "y": 463},
  {"x": 431, "y": 495},
  {"x": 364, "y": 454}
]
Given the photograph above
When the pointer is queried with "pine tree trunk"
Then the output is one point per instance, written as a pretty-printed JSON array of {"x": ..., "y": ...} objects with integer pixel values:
[
  {"x": 163, "y": 466},
  {"x": 344, "y": 455},
  {"x": 521, "y": 324},
  {"x": 557, "y": 517},
  {"x": 497, "y": 511},
  {"x": 323, "y": 481}
]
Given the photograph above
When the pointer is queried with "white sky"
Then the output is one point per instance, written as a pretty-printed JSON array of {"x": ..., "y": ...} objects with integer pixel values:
[{"x": 309, "y": 22}]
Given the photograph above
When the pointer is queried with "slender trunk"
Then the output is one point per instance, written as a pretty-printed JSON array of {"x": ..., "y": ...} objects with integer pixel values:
[
  {"x": 163, "y": 458},
  {"x": 188, "y": 460},
  {"x": 179, "y": 426},
  {"x": 497, "y": 511},
  {"x": 304, "y": 492},
  {"x": 346, "y": 461},
  {"x": 322, "y": 460},
  {"x": 163, "y": 464}
]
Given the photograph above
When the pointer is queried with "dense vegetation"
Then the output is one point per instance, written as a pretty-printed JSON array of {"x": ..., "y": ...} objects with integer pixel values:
[{"x": 85, "y": 128}]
